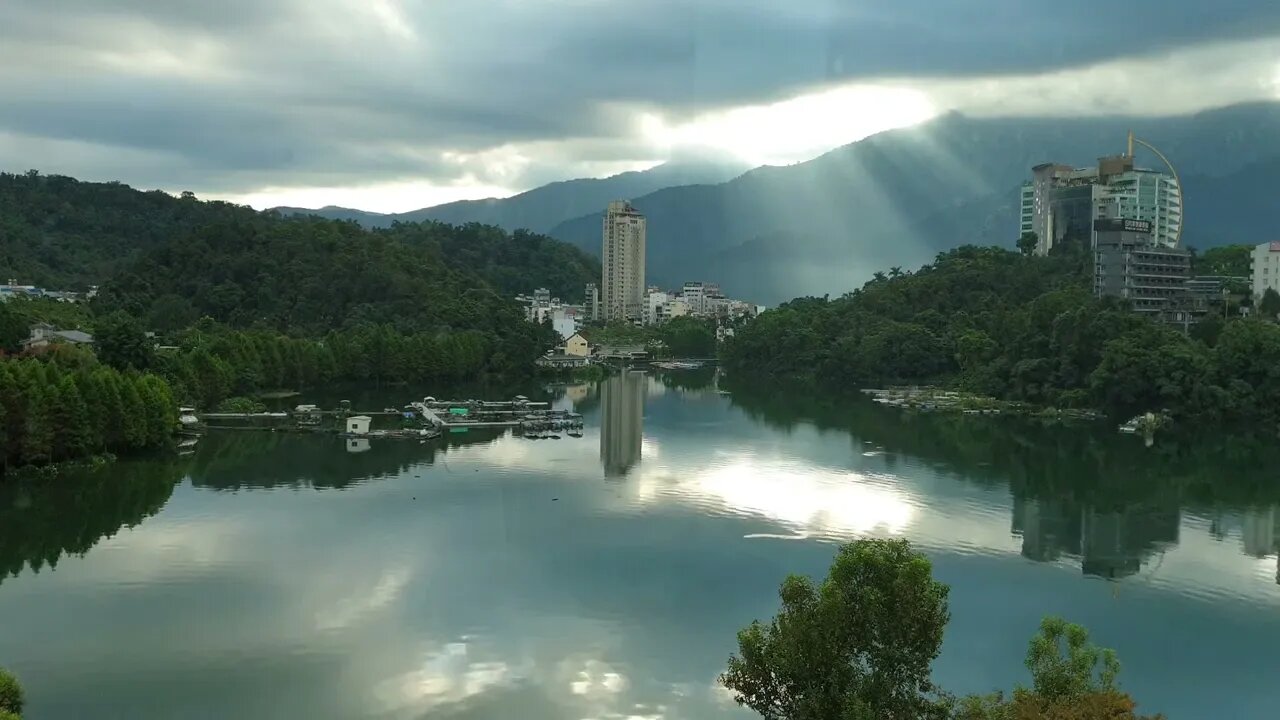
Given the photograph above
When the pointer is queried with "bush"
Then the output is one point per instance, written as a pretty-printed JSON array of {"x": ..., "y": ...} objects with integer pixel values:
[
  {"x": 11, "y": 700},
  {"x": 240, "y": 405}
]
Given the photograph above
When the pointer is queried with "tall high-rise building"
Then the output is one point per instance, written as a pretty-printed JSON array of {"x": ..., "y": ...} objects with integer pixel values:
[
  {"x": 622, "y": 263},
  {"x": 591, "y": 301},
  {"x": 695, "y": 294},
  {"x": 1061, "y": 203}
]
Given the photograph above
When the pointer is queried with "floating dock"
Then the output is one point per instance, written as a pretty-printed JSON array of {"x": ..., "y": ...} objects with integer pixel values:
[{"x": 432, "y": 417}]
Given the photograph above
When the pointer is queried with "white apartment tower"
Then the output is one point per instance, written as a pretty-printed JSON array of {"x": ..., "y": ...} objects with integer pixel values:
[
  {"x": 622, "y": 288},
  {"x": 1061, "y": 201}
]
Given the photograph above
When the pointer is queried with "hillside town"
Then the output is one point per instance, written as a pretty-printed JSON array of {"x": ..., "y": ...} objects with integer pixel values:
[{"x": 623, "y": 296}]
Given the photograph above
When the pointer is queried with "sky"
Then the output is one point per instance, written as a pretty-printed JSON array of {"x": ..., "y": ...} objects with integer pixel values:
[{"x": 393, "y": 105}]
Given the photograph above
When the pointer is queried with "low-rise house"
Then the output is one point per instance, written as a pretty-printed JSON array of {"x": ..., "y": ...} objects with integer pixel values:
[
  {"x": 43, "y": 334},
  {"x": 577, "y": 345}
]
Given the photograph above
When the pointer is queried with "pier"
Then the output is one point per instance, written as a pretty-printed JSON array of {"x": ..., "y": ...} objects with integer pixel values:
[{"x": 424, "y": 419}]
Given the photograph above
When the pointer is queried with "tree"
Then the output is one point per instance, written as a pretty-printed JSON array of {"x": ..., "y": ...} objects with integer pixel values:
[
  {"x": 72, "y": 435},
  {"x": 859, "y": 645},
  {"x": 688, "y": 337},
  {"x": 11, "y": 700},
  {"x": 14, "y": 328},
  {"x": 1072, "y": 679},
  {"x": 1028, "y": 242},
  {"x": 1269, "y": 305},
  {"x": 121, "y": 342},
  {"x": 1226, "y": 260},
  {"x": 1065, "y": 665},
  {"x": 37, "y": 436}
]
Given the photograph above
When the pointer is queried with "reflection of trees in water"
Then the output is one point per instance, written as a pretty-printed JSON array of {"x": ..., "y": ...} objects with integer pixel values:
[
  {"x": 43, "y": 519},
  {"x": 1079, "y": 490},
  {"x": 699, "y": 379},
  {"x": 235, "y": 460}
]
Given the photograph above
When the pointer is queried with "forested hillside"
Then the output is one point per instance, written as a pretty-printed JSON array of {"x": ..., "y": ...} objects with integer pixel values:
[
  {"x": 1022, "y": 328},
  {"x": 243, "y": 302},
  {"x": 62, "y": 233},
  {"x": 59, "y": 232}
]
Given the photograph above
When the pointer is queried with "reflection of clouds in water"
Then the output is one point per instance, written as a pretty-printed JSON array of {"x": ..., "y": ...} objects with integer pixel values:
[
  {"x": 447, "y": 675},
  {"x": 165, "y": 549},
  {"x": 363, "y": 602},
  {"x": 814, "y": 500},
  {"x": 599, "y": 692},
  {"x": 597, "y": 679}
]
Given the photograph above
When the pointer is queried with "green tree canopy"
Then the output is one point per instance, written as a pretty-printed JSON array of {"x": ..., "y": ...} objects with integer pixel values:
[
  {"x": 11, "y": 699},
  {"x": 1269, "y": 305},
  {"x": 121, "y": 342},
  {"x": 857, "y": 646},
  {"x": 14, "y": 328},
  {"x": 1027, "y": 242}
]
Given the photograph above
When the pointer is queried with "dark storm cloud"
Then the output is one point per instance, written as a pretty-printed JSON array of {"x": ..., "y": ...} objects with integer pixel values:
[{"x": 254, "y": 93}]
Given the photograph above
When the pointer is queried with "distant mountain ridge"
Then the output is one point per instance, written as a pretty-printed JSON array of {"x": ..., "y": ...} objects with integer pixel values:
[
  {"x": 544, "y": 207},
  {"x": 900, "y": 197}
]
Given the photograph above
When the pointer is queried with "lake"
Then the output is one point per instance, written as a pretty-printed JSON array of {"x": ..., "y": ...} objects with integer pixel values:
[{"x": 484, "y": 575}]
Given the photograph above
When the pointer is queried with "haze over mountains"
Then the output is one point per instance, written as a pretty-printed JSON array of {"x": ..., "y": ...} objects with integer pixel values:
[
  {"x": 895, "y": 199},
  {"x": 546, "y": 206}
]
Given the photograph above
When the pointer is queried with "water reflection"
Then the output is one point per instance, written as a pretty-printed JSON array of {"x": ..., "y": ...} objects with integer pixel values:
[
  {"x": 621, "y": 421},
  {"x": 489, "y": 576},
  {"x": 42, "y": 520},
  {"x": 1086, "y": 494},
  {"x": 233, "y": 461}
]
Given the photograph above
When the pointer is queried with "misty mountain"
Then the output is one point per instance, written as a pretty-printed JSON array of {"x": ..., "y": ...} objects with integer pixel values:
[
  {"x": 900, "y": 197},
  {"x": 335, "y": 212},
  {"x": 544, "y": 207}
]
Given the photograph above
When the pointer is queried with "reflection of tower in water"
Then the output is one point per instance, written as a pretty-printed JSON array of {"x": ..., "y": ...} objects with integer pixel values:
[
  {"x": 1111, "y": 542},
  {"x": 621, "y": 421},
  {"x": 1260, "y": 533}
]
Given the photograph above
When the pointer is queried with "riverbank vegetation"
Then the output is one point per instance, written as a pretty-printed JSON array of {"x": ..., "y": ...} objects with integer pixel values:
[
  {"x": 998, "y": 323},
  {"x": 679, "y": 337},
  {"x": 11, "y": 699},
  {"x": 207, "y": 300},
  {"x": 51, "y": 411},
  {"x": 860, "y": 645}
]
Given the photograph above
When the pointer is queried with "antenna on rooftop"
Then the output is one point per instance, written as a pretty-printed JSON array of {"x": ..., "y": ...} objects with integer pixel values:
[{"x": 1182, "y": 211}]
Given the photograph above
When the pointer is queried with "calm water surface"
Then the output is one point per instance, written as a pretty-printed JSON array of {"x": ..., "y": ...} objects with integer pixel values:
[{"x": 488, "y": 576}]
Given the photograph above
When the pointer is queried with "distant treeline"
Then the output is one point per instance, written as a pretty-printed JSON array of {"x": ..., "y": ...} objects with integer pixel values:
[
  {"x": 213, "y": 362},
  {"x": 1000, "y": 323}
]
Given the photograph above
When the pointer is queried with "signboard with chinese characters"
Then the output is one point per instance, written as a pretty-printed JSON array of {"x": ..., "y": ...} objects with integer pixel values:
[{"x": 1122, "y": 225}]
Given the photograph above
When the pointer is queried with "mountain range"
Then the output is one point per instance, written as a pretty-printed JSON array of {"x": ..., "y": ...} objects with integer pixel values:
[
  {"x": 546, "y": 206},
  {"x": 898, "y": 198}
]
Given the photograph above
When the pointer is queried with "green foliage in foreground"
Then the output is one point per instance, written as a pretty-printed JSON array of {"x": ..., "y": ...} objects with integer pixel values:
[
  {"x": 11, "y": 700},
  {"x": 860, "y": 645},
  {"x": 998, "y": 323}
]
